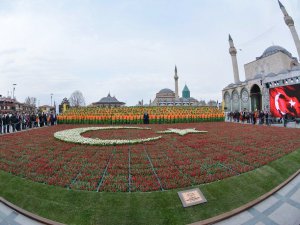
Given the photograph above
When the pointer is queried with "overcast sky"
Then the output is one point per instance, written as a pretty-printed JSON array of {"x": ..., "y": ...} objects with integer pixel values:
[{"x": 129, "y": 48}]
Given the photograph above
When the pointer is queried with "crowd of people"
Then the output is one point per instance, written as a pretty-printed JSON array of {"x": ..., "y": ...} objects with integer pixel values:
[
  {"x": 260, "y": 117},
  {"x": 22, "y": 121}
]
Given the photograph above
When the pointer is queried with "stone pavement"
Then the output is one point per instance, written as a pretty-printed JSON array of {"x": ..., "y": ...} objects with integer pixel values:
[
  {"x": 10, "y": 217},
  {"x": 13, "y": 215},
  {"x": 289, "y": 125},
  {"x": 282, "y": 208}
]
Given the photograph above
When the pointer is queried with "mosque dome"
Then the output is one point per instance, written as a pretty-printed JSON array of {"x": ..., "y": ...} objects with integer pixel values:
[
  {"x": 166, "y": 91},
  {"x": 185, "y": 88},
  {"x": 186, "y": 92},
  {"x": 274, "y": 49},
  {"x": 108, "y": 99}
]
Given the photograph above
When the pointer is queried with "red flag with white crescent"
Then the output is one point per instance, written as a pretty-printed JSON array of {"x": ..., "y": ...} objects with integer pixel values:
[{"x": 285, "y": 100}]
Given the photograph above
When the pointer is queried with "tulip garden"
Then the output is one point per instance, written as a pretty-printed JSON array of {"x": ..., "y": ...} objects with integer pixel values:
[
  {"x": 134, "y": 115},
  {"x": 169, "y": 162}
]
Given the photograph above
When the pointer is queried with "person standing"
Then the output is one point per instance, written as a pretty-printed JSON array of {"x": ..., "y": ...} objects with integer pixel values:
[
  {"x": 261, "y": 117},
  {"x": 32, "y": 120},
  {"x": 45, "y": 119},
  {"x": 267, "y": 117},
  {"x": 4, "y": 123},
  {"x": 244, "y": 115},
  {"x": 285, "y": 120},
  {"x": 254, "y": 117},
  {"x": 8, "y": 122},
  {"x": 1, "y": 123},
  {"x": 41, "y": 120},
  {"x": 51, "y": 119},
  {"x": 55, "y": 118},
  {"x": 146, "y": 118},
  {"x": 14, "y": 121}
]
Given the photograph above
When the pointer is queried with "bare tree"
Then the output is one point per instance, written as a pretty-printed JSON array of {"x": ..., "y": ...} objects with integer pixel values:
[
  {"x": 212, "y": 103},
  {"x": 202, "y": 103},
  {"x": 30, "y": 101},
  {"x": 77, "y": 99}
]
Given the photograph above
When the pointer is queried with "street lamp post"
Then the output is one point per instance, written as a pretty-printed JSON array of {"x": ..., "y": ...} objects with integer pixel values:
[
  {"x": 14, "y": 88},
  {"x": 51, "y": 99}
]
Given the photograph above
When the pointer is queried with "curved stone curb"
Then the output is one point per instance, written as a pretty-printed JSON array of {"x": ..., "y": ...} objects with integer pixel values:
[
  {"x": 236, "y": 211},
  {"x": 29, "y": 214}
]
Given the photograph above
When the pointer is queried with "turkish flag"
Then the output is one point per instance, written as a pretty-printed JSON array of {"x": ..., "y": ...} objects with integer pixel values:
[{"x": 285, "y": 100}]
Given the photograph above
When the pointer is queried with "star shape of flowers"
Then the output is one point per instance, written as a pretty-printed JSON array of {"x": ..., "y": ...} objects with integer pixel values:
[
  {"x": 181, "y": 132},
  {"x": 292, "y": 102}
]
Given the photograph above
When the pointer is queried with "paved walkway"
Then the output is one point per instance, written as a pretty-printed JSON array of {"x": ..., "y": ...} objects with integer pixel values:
[
  {"x": 10, "y": 217},
  {"x": 282, "y": 208},
  {"x": 13, "y": 215}
]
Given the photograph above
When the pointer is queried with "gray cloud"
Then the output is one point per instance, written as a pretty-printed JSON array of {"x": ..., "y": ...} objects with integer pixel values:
[{"x": 12, "y": 51}]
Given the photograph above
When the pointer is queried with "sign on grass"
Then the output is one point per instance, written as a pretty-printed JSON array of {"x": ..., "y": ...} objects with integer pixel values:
[{"x": 191, "y": 197}]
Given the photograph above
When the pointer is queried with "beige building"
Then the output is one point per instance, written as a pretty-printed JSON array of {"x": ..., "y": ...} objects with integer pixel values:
[
  {"x": 11, "y": 105},
  {"x": 274, "y": 59},
  {"x": 167, "y": 97},
  {"x": 275, "y": 67},
  {"x": 46, "y": 109}
]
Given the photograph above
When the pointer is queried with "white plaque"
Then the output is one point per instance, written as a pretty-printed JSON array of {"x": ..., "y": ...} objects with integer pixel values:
[{"x": 191, "y": 197}]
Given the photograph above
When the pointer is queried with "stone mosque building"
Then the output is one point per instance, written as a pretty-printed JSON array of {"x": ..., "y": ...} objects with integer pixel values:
[
  {"x": 167, "y": 97},
  {"x": 274, "y": 68},
  {"x": 109, "y": 102}
]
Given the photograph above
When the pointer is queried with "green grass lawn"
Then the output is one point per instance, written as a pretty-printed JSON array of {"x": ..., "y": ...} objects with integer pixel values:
[{"x": 82, "y": 207}]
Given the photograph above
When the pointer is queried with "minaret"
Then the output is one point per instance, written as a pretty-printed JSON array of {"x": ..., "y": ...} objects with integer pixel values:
[
  {"x": 176, "y": 83},
  {"x": 290, "y": 23},
  {"x": 232, "y": 52}
]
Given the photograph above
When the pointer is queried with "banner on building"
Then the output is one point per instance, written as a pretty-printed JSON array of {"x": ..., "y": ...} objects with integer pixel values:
[{"x": 285, "y": 100}]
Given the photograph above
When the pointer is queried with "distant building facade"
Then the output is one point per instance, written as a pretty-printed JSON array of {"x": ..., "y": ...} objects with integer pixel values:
[
  {"x": 47, "y": 109},
  {"x": 275, "y": 67},
  {"x": 167, "y": 97},
  {"x": 11, "y": 105},
  {"x": 7, "y": 105},
  {"x": 108, "y": 102}
]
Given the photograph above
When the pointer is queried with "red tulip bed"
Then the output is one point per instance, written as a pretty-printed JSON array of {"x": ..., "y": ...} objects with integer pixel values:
[{"x": 173, "y": 161}]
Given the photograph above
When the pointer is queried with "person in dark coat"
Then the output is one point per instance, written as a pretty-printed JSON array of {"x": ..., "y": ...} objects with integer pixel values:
[
  {"x": 146, "y": 118},
  {"x": 14, "y": 122},
  {"x": 33, "y": 121},
  {"x": 8, "y": 122},
  {"x": 41, "y": 120},
  {"x": 45, "y": 120},
  {"x": 285, "y": 120},
  {"x": 267, "y": 118},
  {"x": 4, "y": 123},
  {"x": 52, "y": 119},
  {"x": 1, "y": 123}
]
